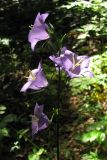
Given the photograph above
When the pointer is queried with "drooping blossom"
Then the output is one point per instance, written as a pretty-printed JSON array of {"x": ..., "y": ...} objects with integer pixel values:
[
  {"x": 36, "y": 80},
  {"x": 72, "y": 64},
  {"x": 38, "y": 31},
  {"x": 39, "y": 120}
]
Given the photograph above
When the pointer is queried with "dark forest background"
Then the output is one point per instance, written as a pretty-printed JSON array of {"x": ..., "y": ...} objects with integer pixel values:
[{"x": 83, "y": 117}]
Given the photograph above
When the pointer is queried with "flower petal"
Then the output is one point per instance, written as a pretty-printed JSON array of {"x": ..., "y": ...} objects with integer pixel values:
[
  {"x": 76, "y": 70},
  {"x": 72, "y": 64},
  {"x": 39, "y": 120},
  {"x": 37, "y": 21},
  {"x": 87, "y": 73},
  {"x": 37, "y": 34},
  {"x": 56, "y": 60},
  {"x": 26, "y": 86},
  {"x": 66, "y": 63},
  {"x": 34, "y": 127},
  {"x": 38, "y": 31},
  {"x": 44, "y": 16},
  {"x": 72, "y": 75},
  {"x": 33, "y": 44},
  {"x": 40, "y": 81},
  {"x": 85, "y": 62},
  {"x": 40, "y": 19},
  {"x": 38, "y": 110},
  {"x": 43, "y": 122}
]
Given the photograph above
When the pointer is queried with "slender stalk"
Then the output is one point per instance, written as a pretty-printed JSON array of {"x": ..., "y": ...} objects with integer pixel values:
[{"x": 57, "y": 117}]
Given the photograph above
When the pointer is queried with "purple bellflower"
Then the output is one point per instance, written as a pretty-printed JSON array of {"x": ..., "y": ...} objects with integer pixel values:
[
  {"x": 38, "y": 31},
  {"x": 39, "y": 120},
  {"x": 36, "y": 80},
  {"x": 72, "y": 64}
]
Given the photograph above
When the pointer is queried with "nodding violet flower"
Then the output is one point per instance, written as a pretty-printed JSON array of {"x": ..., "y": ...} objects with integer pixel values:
[
  {"x": 36, "y": 80},
  {"x": 72, "y": 64},
  {"x": 38, "y": 30},
  {"x": 39, "y": 120}
]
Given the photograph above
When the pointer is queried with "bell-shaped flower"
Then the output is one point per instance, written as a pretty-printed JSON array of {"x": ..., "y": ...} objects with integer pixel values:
[
  {"x": 72, "y": 64},
  {"x": 38, "y": 31},
  {"x": 39, "y": 120},
  {"x": 36, "y": 80}
]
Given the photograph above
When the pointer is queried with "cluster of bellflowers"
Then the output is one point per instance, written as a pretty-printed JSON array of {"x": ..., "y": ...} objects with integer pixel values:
[{"x": 73, "y": 65}]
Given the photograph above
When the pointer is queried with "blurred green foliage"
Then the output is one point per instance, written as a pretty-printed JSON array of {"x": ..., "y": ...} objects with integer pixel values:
[
  {"x": 35, "y": 155},
  {"x": 90, "y": 156},
  {"x": 84, "y": 23}
]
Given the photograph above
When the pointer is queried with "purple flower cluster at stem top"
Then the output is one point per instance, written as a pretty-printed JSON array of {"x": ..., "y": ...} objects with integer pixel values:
[
  {"x": 39, "y": 30},
  {"x": 39, "y": 120},
  {"x": 72, "y": 64},
  {"x": 36, "y": 80}
]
